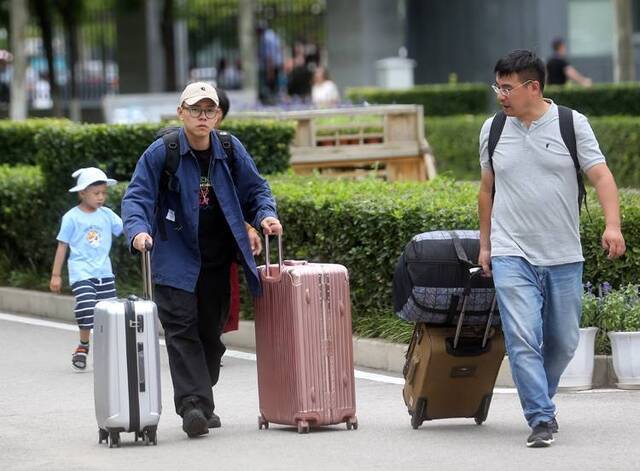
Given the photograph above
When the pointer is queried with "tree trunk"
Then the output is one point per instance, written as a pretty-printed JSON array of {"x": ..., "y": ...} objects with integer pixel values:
[
  {"x": 248, "y": 46},
  {"x": 624, "y": 67},
  {"x": 168, "y": 43},
  {"x": 43, "y": 12},
  {"x": 18, "y": 105},
  {"x": 70, "y": 17}
]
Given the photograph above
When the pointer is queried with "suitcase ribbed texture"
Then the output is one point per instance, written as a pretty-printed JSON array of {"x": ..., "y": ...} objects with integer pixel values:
[{"x": 304, "y": 345}]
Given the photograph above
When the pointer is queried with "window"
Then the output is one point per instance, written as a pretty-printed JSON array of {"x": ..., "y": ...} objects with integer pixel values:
[{"x": 591, "y": 24}]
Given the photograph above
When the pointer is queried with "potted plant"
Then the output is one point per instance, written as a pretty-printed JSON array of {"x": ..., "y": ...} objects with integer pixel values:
[
  {"x": 578, "y": 376},
  {"x": 621, "y": 320}
]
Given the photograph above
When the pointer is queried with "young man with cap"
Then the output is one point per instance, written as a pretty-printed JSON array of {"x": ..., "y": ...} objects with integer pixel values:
[
  {"x": 87, "y": 230},
  {"x": 203, "y": 212},
  {"x": 529, "y": 231}
]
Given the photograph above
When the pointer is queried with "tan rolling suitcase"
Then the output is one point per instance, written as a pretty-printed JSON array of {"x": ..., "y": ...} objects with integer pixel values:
[{"x": 451, "y": 371}]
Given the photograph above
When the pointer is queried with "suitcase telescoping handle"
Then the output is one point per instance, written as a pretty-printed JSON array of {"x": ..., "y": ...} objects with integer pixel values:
[
  {"x": 147, "y": 287},
  {"x": 473, "y": 273},
  {"x": 266, "y": 255}
]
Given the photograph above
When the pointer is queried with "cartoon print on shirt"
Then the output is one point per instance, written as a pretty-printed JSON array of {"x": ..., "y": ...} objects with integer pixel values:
[{"x": 94, "y": 238}]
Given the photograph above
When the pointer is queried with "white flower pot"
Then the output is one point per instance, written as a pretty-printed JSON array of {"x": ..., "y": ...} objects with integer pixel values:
[
  {"x": 625, "y": 349},
  {"x": 578, "y": 376}
]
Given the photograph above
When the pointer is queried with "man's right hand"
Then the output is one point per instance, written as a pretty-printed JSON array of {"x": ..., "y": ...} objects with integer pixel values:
[
  {"x": 142, "y": 241},
  {"x": 484, "y": 259}
]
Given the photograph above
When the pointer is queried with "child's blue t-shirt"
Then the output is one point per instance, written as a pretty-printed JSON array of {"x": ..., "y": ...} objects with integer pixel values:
[{"x": 89, "y": 238}]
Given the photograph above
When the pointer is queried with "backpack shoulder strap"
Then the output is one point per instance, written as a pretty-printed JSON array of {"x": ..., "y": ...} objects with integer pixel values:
[
  {"x": 568, "y": 133},
  {"x": 172, "y": 147},
  {"x": 497, "y": 125},
  {"x": 227, "y": 144},
  {"x": 171, "y": 142}
]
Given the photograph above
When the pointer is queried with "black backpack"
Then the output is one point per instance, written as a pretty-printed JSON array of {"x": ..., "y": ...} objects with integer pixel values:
[
  {"x": 170, "y": 137},
  {"x": 568, "y": 134},
  {"x": 432, "y": 281}
]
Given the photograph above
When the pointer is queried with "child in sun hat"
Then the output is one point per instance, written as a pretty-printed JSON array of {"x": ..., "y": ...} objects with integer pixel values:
[{"x": 86, "y": 230}]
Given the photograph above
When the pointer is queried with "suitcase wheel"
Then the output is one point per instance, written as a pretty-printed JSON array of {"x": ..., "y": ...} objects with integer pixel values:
[
  {"x": 262, "y": 423},
  {"x": 153, "y": 437},
  {"x": 417, "y": 416},
  {"x": 114, "y": 439},
  {"x": 352, "y": 423},
  {"x": 103, "y": 436},
  {"x": 483, "y": 410},
  {"x": 303, "y": 426},
  {"x": 148, "y": 437}
]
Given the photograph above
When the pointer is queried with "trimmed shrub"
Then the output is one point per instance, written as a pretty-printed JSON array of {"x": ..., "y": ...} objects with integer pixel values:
[
  {"x": 437, "y": 99},
  {"x": 22, "y": 204},
  {"x": 602, "y": 99},
  {"x": 18, "y": 139},
  {"x": 454, "y": 140},
  {"x": 117, "y": 147},
  {"x": 466, "y": 98}
]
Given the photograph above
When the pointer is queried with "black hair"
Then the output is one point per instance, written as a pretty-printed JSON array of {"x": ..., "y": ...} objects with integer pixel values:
[
  {"x": 99, "y": 182},
  {"x": 525, "y": 63},
  {"x": 557, "y": 43},
  {"x": 223, "y": 101}
]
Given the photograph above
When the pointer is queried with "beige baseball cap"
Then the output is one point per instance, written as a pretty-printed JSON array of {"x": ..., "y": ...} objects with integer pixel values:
[{"x": 196, "y": 91}]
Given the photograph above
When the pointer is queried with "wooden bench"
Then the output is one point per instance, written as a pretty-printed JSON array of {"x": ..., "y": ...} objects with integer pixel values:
[{"x": 386, "y": 140}]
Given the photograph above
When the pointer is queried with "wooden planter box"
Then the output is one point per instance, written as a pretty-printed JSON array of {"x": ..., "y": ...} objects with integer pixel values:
[{"x": 387, "y": 140}]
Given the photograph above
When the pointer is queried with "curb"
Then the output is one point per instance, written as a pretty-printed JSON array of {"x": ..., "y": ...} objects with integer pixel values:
[{"x": 367, "y": 353}]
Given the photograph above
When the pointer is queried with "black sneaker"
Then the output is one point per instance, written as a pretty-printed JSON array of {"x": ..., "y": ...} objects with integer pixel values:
[
  {"x": 214, "y": 421},
  {"x": 541, "y": 436},
  {"x": 553, "y": 425},
  {"x": 194, "y": 422}
]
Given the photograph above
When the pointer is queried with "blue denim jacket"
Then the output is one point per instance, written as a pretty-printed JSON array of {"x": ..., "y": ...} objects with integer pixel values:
[{"x": 176, "y": 261}]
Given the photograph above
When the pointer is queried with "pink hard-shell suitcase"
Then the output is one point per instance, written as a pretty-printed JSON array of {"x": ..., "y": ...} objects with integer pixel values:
[{"x": 303, "y": 345}]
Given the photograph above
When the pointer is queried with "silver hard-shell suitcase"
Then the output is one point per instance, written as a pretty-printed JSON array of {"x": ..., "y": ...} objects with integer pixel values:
[{"x": 127, "y": 366}]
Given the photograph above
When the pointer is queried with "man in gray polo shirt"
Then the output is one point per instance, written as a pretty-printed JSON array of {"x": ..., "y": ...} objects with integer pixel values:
[{"x": 529, "y": 233}]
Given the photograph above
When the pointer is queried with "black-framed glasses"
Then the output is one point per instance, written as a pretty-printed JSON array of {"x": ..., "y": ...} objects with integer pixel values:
[
  {"x": 196, "y": 111},
  {"x": 507, "y": 91}
]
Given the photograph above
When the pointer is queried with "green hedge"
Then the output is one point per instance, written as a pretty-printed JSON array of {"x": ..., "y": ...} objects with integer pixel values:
[
  {"x": 437, "y": 100},
  {"x": 450, "y": 99},
  {"x": 18, "y": 139},
  {"x": 454, "y": 140},
  {"x": 365, "y": 226},
  {"x": 454, "y": 143},
  {"x": 22, "y": 204},
  {"x": 116, "y": 148},
  {"x": 600, "y": 100}
]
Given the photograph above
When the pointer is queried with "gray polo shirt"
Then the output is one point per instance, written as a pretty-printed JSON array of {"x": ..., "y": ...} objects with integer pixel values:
[{"x": 535, "y": 210}]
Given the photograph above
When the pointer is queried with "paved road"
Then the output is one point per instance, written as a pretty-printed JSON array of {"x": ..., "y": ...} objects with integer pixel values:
[{"x": 47, "y": 423}]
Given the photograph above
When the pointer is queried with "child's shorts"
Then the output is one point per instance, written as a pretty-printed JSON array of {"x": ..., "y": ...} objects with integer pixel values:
[{"x": 87, "y": 294}]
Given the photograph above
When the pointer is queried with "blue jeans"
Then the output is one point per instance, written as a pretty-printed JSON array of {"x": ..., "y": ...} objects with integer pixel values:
[{"x": 540, "y": 308}]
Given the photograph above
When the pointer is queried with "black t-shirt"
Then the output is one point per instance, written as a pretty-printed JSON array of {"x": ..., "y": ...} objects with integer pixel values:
[
  {"x": 216, "y": 241},
  {"x": 300, "y": 81},
  {"x": 555, "y": 71}
]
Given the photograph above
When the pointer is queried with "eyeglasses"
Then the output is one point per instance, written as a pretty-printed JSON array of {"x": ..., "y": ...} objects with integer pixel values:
[
  {"x": 507, "y": 91},
  {"x": 196, "y": 111}
]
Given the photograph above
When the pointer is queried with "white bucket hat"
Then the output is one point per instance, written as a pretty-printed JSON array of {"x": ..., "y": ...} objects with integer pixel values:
[{"x": 89, "y": 176}]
